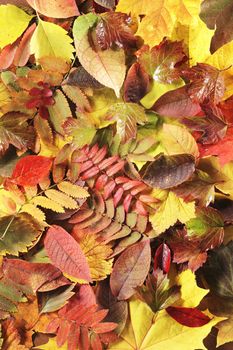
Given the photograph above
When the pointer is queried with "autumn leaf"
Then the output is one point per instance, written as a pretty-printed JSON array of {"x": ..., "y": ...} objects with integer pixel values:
[
  {"x": 44, "y": 41},
  {"x": 30, "y": 170},
  {"x": 136, "y": 83},
  {"x": 10, "y": 15},
  {"x": 130, "y": 270},
  {"x": 107, "y": 67},
  {"x": 126, "y": 116},
  {"x": 169, "y": 171},
  {"x": 60, "y": 246},
  {"x": 60, "y": 9}
]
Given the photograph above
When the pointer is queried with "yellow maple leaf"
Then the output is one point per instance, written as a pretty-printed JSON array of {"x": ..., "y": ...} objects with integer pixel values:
[
  {"x": 45, "y": 41},
  {"x": 149, "y": 331},
  {"x": 170, "y": 209}
]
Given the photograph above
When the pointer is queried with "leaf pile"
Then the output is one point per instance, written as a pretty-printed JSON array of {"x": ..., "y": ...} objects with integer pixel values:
[{"x": 116, "y": 174}]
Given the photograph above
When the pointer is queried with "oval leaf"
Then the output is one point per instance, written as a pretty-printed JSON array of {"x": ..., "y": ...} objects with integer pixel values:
[
  {"x": 130, "y": 270},
  {"x": 66, "y": 254},
  {"x": 169, "y": 171},
  {"x": 55, "y": 9},
  {"x": 189, "y": 317}
]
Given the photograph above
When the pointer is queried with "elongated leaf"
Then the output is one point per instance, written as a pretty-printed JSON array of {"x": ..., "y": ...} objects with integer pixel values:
[
  {"x": 130, "y": 270},
  {"x": 108, "y": 67},
  {"x": 59, "y": 112},
  {"x": 56, "y": 9},
  {"x": 57, "y": 300},
  {"x": 189, "y": 317},
  {"x": 66, "y": 254},
  {"x": 169, "y": 171}
]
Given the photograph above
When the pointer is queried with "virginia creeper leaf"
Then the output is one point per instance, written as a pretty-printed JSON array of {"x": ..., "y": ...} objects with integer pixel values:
[{"x": 136, "y": 83}]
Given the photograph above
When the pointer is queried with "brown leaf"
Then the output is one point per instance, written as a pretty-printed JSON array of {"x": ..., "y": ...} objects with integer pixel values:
[
  {"x": 169, "y": 171},
  {"x": 130, "y": 270},
  {"x": 81, "y": 78},
  {"x": 136, "y": 83},
  {"x": 114, "y": 28}
]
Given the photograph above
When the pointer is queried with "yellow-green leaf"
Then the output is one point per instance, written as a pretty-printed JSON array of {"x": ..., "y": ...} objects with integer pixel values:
[
  {"x": 13, "y": 22},
  {"x": 106, "y": 66},
  {"x": 49, "y": 39}
]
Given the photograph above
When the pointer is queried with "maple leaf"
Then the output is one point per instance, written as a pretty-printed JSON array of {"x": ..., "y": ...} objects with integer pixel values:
[
  {"x": 169, "y": 171},
  {"x": 15, "y": 130},
  {"x": 127, "y": 116},
  {"x": 130, "y": 270},
  {"x": 108, "y": 67},
  {"x": 58, "y": 9},
  {"x": 60, "y": 247},
  {"x": 10, "y": 15},
  {"x": 163, "y": 61},
  {"x": 114, "y": 27}
]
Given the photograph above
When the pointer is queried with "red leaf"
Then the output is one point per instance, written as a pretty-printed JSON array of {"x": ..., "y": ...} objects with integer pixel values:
[
  {"x": 162, "y": 258},
  {"x": 31, "y": 275},
  {"x": 23, "y": 50},
  {"x": 136, "y": 83},
  {"x": 130, "y": 270},
  {"x": 55, "y": 9},
  {"x": 177, "y": 104},
  {"x": 222, "y": 149},
  {"x": 30, "y": 170},
  {"x": 7, "y": 55},
  {"x": 66, "y": 254},
  {"x": 189, "y": 317}
]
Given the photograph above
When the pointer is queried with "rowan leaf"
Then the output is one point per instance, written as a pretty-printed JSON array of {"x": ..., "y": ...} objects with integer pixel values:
[
  {"x": 10, "y": 15},
  {"x": 170, "y": 210},
  {"x": 107, "y": 67},
  {"x": 169, "y": 171},
  {"x": 58, "y": 9},
  {"x": 73, "y": 190},
  {"x": 130, "y": 270},
  {"x": 59, "y": 112},
  {"x": 18, "y": 233},
  {"x": 66, "y": 254},
  {"x": 44, "y": 41}
]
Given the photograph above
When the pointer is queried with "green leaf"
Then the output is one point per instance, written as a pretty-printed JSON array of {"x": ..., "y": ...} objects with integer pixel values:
[
  {"x": 57, "y": 300},
  {"x": 13, "y": 22},
  {"x": 59, "y": 112},
  {"x": 17, "y": 233},
  {"x": 126, "y": 116},
  {"x": 108, "y": 66},
  {"x": 82, "y": 131},
  {"x": 49, "y": 39}
]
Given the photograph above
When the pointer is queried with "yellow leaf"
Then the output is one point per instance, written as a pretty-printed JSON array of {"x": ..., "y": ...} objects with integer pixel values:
[
  {"x": 226, "y": 185},
  {"x": 96, "y": 254},
  {"x": 34, "y": 212},
  {"x": 73, "y": 190},
  {"x": 191, "y": 294},
  {"x": 45, "y": 41},
  {"x": 61, "y": 198},
  {"x": 4, "y": 97},
  {"x": 149, "y": 331},
  {"x": 59, "y": 112},
  {"x": 136, "y": 7},
  {"x": 108, "y": 66},
  {"x": 171, "y": 209},
  {"x": 48, "y": 204},
  {"x": 13, "y": 22},
  {"x": 177, "y": 139},
  {"x": 51, "y": 345}
]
